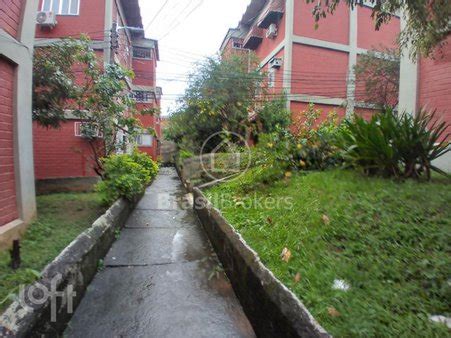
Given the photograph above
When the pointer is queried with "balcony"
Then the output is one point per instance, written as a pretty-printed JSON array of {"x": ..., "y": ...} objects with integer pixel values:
[
  {"x": 272, "y": 13},
  {"x": 254, "y": 37}
]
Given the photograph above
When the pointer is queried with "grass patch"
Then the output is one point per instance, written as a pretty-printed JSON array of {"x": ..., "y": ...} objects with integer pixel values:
[
  {"x": 389, "y": 241},
  {"x": 61, "y": 218}
]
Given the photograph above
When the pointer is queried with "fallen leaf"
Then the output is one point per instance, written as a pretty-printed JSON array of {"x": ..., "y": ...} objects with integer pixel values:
[
  {"x": 286, "y": 255},
  {"x": 302, "y": 163},
  {"x": 333, "y": 312},
  {"x": 269, "y": 219},
  {"x": 288, "y": 174},
  {"x": 325, "y": 219},
  {"x": 297, "y": 278}
]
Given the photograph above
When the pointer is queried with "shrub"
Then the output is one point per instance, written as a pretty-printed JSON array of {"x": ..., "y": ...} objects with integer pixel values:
[
  {"x": 394, "y": 146},
  {"x": 185, "y": 154},
  {"x": 315, "y": 140},
  {"x": 126, "y": 176},
  {"x": 273, "y": 115},
  {"x": 310, "y": 147},
  {"x": 147, "y": 162}
]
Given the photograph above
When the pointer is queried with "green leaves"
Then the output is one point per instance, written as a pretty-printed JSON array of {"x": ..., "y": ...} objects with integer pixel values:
[
  {"x": 380, "y": 75},
  {"x": 221, "y": 93},
  {"x": 389, "y": 145},
  {"x": 126, "y": 176},
  {"x": 427, "y": 21}
]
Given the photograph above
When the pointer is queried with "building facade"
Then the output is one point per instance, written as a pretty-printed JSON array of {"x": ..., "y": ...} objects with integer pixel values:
[
  {"x": 146, "y": 93},
  {"x": 309, "y": 64},
  {"x": 63, "y": 153},
  {"x": 17, "y": 192}
]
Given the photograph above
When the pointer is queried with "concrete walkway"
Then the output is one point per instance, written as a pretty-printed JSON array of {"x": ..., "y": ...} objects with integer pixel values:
[{"x": 161, "y": 277}]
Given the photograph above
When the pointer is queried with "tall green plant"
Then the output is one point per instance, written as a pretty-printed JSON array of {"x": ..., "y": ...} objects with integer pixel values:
[{"x": 394, "y": 146}]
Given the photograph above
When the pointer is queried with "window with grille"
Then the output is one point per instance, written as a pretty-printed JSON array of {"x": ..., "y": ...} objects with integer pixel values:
[
  {"x": 61, "y": 7},
  {"x": 142, "y": 96},
  {"x": 237, "y": 45},
  {"x": 142, "y": 53}
]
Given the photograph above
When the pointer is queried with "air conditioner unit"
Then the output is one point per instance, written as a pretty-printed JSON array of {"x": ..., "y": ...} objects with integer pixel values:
[
  {"x": 46, "y": 19},
  {"x": 271, "y": 33},
  {"x": 275, "y": 63}
]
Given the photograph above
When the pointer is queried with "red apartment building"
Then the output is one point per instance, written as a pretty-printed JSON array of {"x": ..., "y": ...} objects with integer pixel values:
[
  {"x": 310, "y": 65},
  {"x": 17, "y": 194},
  {"x": 63, "y": 153}
]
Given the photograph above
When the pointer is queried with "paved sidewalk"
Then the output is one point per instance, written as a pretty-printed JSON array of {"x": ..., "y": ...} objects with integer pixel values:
[{"x": 161, "y": 277}]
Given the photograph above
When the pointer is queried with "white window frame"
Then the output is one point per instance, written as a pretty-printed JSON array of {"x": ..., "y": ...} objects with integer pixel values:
[
  {"x": 60, "y": 7},
  {"x": 139, "y": 141}
]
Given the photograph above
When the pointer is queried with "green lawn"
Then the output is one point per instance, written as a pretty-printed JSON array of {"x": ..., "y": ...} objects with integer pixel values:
[
  {"x": 389, "y": 241},
  {"x": 61, "y": 218}
]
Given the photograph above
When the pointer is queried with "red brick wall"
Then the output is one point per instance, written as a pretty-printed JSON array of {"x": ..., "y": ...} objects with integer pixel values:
[
  {"x": 319, "y": 71},
  {"x": 368, "y": 37},
  {"x": 268, "y": 45},
  {"x": 8, "y": 203},
  {"x": 90, "y": 21},
  {"x": 334, "y": 28},
  {"x": 229, "y": 50},
  {"x": 435, "y": 83},
  {"x": 10, "y": 13},
  {"x": 58, "y": 153},
  {"x": 297, "y": 108},
  {"x": 149, "y": 121},
  {"x": 145, "y": 72}
]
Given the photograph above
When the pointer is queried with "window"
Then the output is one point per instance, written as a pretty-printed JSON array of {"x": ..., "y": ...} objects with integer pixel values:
[
  {"x": 237, "y": 45},
  {"x": 271, "y": 78},
  {"x": 145, "y": 140},
  {"x": 87, "y": 130},
  {"x": 142, "y": 96},
  {"x": 61, "y": 7},
  {"x": 142, "y": 53}
]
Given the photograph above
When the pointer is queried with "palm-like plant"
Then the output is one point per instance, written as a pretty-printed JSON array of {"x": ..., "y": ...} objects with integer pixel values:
[{"x": 401, "y": 146}]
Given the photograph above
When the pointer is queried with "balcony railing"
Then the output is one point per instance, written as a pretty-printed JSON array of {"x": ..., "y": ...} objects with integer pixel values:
[
  {"x": 272, "y": 13},
  {"x": 254, "y": 37}
]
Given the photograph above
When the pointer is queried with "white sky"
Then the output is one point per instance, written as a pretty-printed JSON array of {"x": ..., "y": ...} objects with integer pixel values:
[{"x": 187, "y": 30}]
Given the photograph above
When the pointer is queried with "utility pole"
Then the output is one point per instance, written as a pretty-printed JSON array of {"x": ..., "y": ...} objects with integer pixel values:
[{"x": 114, "y": 41}]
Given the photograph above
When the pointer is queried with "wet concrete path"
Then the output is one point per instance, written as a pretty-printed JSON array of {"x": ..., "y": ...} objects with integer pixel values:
[{"x": 161, "y": 277}]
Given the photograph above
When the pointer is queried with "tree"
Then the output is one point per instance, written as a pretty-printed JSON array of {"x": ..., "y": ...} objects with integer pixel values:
[
  {"x": 273, "y": 115},
  {"x": 220, "y": 96},
  {"x": 54, "y": 81},
  {"x": 380, "y": 75},
  {"x": 98, "y": 97},
  {"x": 428, "y": 21}
]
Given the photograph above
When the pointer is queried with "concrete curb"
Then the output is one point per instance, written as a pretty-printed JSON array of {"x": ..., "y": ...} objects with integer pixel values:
[
  {"x": 76, "y": 266},
  {"x": 271, "y": 307}
]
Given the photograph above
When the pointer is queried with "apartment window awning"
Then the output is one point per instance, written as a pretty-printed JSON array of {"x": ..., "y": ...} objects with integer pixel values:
[
  {"x": 272, "y": 13},
  {"x": 254, "y": 37}
]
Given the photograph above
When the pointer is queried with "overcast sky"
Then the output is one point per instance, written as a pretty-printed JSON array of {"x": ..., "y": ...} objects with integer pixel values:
[{"x": 187, "y": 30}]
